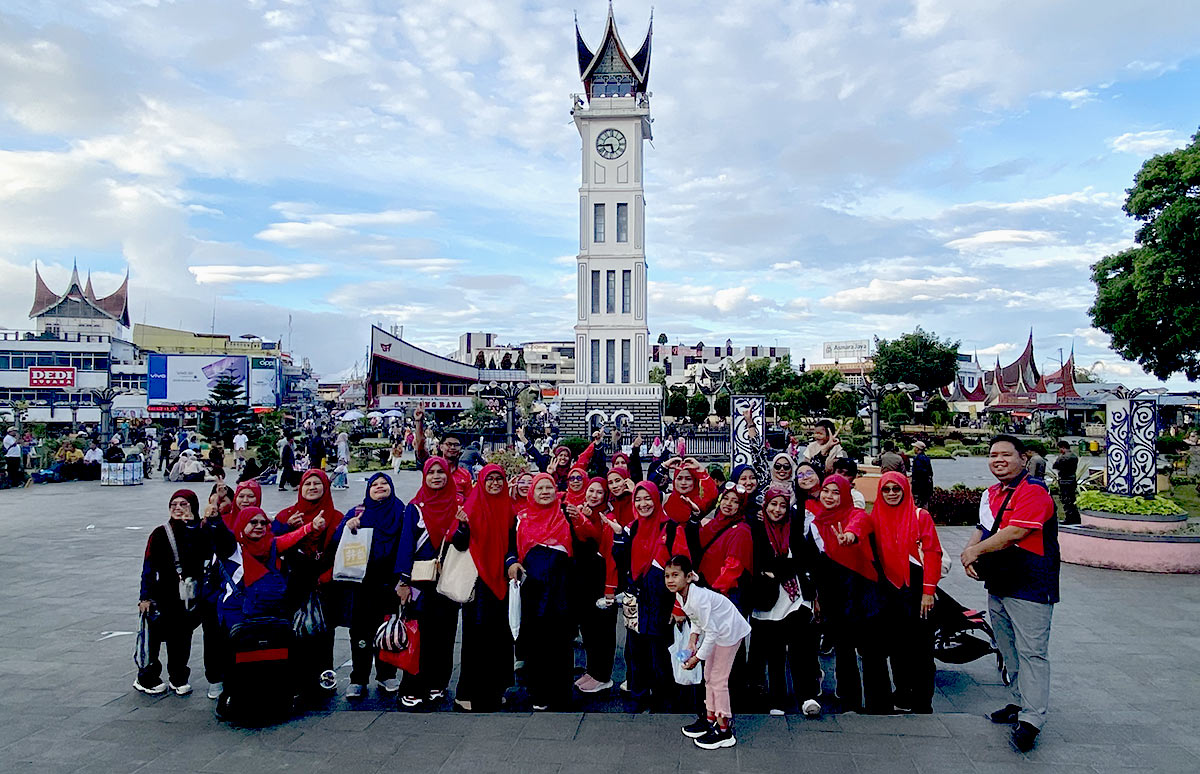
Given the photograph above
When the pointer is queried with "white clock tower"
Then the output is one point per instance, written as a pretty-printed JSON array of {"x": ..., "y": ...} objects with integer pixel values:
[{"x": 612, "y": 385}]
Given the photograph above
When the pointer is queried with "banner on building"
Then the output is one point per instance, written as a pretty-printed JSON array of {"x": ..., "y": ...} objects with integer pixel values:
[
  {"x": 264, "y": 381},
  {"x": 858, "y": 349},
  {"x": 51, "y": 376},
  {"x": 190, "y": 378}
]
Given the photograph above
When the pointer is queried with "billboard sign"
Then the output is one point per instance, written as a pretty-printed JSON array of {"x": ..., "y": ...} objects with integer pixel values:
[
  {"x": 858, "y": 349},
  {"x": 264, "y": 381},
  {"x": 190, "y": 378},
  {"x": 51, "y": 376}
]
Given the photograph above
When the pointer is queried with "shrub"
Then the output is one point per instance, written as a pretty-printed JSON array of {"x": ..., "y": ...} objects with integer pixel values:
[
  {"x": 938, "y": 453},
  {"x": 575, "y": 444},
  {"x": 958, "y": 506},
  {"x": 512, "y": 462},
  {"x": 1132, "y": 506},
  {"x": 1036, "y": 445},
  {"x": 1171, "y": 444}
]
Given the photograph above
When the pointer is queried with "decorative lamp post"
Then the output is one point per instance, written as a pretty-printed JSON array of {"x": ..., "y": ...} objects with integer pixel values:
[
  {"x": 510, "y": 391},
  {"x": 874, "y": 394}
]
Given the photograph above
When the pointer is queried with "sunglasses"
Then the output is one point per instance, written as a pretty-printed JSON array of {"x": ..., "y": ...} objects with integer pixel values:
[
  {"x": 575, "y": 478},
  {"x": 732, "y": 486},
  {"x": 259, "y": 523},
  {"x": 782, "y": 466},
  {"x": 892, "y": 490}
]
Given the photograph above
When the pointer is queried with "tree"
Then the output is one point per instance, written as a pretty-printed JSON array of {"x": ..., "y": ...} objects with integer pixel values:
[
  {"x": 479, "y": 359},
  {"x": 492, "y": 362},
  {"x": 662, "y": 338},
  {"x": 1085, "y": 375},
  {"x": 897, "y": 407},
  {"x": 721, "y": 405},
  {"x": 697, "y": 407},
  {"x": 520, "y": 366},
  {"x": 658, "y": 375},
  {"x": 226, "y": 409},
  {"x": 760, "y": 377},
  {"x": 1148, "y": 297},
  {"x": 1055, "y": 428},
  {"x": 919, "y": 358},
  {"x": 506, "y": 362},
  {"x": 937, "y": 411},
  {"x": 676, "y": 402},
  {"x": 843, "y": 405}
]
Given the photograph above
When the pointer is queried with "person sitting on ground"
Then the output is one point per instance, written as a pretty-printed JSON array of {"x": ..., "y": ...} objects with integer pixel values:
[
  {"x": 114, "y": 453},
  {"x": 187, "y": 468}
]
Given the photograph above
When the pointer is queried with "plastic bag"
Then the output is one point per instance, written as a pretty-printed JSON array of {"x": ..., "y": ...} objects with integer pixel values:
[
  {"x": 309, "y": 619},
  {"x": 679, "y": 653},
  {"x": 407, "y": 660},
  {"x": 514, "y": 608},
  {"x": 353, "y": 551},
  {"x": 141, "y": 647}
]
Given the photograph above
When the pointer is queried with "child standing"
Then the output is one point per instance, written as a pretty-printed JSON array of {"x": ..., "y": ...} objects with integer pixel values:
[{"x": 718, "y": 631}]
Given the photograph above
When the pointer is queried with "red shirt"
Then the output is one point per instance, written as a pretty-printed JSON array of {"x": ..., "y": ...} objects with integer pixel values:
[{"x": 1030, "y": 507}]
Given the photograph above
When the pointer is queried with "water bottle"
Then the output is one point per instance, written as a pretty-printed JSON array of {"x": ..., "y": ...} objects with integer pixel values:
[{"x": 683, "y": 655}]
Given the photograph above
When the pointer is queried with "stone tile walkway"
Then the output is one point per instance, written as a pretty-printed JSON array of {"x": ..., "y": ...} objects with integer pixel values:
[{"x": 1125, "y": 654}]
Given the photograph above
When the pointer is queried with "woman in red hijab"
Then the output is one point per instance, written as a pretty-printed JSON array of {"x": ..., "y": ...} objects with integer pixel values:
[
  {"x": 726, "y": 548},
  {"x": 310, "y": 570},
  {"x": 594, "y": 585},
  {"x": 910, "y": 555},
  {"x": 692, "y": 494},
  {"x": 431, "y": 518},
  {"x": 577, "y": 479},
  {"x": 848, "y": 593},
  {"x": 247, "y": 495},
  {"x": 543, "y": 558},
  {"x": 486, "y": 661},
  {"x": 647, "y": 662}
]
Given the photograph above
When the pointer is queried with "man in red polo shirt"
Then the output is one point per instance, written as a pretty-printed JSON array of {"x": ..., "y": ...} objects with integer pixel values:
[
  {"x": 451, "y": 447},
  {"x": 1014, "y": 552}
]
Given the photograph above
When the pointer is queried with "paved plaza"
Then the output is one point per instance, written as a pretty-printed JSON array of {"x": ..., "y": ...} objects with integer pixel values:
[{"x": 1125, "y": 653}]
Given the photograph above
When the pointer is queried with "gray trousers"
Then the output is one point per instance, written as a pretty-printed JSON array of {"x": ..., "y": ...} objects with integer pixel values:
[{"x": 1023, "y": 636}]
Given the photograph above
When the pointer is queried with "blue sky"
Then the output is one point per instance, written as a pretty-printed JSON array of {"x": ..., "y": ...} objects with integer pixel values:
[{"x": 820, "y": 171}]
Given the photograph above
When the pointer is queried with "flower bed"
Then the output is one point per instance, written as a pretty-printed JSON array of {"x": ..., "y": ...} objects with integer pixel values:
[{"x": 1131, "y": 533}]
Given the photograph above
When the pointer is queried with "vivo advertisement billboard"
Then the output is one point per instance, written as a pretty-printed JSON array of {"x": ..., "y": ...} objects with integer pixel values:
[{"x": 190, "y": 378}]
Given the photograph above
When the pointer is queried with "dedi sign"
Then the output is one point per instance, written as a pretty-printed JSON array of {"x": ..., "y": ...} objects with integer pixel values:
[{"x": 52, "y": 376}]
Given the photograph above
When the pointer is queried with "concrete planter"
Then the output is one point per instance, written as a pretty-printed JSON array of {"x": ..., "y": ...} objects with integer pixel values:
[
  {"x": 1132, "y": 522},
  {"x": 1140, "y": 551}
]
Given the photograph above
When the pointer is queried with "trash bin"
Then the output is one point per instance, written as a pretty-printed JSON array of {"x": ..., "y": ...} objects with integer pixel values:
[{"x": 1093, "y": 446}]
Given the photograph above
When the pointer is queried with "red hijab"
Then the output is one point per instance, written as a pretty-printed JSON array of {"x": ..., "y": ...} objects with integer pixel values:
[
  {"x": 491, "y": 518},
  {"x": 895, "y": 530},
  {"x": 438, "y": 506},
  {"x": 675, "y": 507},
  {"x": 518, "y": 501},
  {"x": 308, "y": 510},
  {"x": 595, "y": 517},
  {"x": 231, "y": 519},
  {"x": 255, "y": 553},
  {"x": 779, "y": 533},
  {"x": 645, "y": 542},
  {"x": 857, "y": 557},
  {"x": 622, "y": 506},
  {"x": 572, "y": 497},
  {"x": 541, "y": 525}
]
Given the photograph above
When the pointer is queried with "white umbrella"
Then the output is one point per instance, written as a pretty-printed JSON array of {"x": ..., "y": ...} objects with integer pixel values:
[
  {"x": 393, "y": 413},
  {"x": 375, "y": 414},
  {"x": 351, "y": 416}
]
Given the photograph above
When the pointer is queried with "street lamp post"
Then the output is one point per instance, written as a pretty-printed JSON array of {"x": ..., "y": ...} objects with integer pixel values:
[
  {"x": 874, "y": 393},
  {"x": 510, "y": 391}
]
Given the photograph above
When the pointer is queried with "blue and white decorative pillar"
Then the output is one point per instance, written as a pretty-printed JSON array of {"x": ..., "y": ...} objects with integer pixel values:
[
  {"x": 741, "y": 444},
  {"x": 1131, "y": 450}
]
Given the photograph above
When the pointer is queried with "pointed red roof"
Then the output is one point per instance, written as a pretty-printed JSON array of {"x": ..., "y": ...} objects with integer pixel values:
[
  {"x": 88, "y": 292},
  {"x": 115, "y": 305},
  {"x": 1064, "y": 376},
  {"x": 43, "y": 297}
]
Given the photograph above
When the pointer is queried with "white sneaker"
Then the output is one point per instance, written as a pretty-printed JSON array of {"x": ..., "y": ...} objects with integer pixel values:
[
  {"x": 181, "y": 690},
  {"x": 778, "y": 712},
  {"x": 811, "y": 708},
  {"x": 391, "y": 686},
  {"x": 624, "y": 686},
  {"x": 355, "y": 691},
  {"x": 156, "y": 690},
  {"x": 215, "y": 690}
]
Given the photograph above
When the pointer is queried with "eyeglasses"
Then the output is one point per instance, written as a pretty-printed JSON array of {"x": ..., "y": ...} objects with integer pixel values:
[
  {"x": 259, "y": 523},
  {"x": 180, "y": 504},
  {"x": 731, "y": 486},
  {"x": 806, "y": 474},
  {"x": 575, "y": 478}
]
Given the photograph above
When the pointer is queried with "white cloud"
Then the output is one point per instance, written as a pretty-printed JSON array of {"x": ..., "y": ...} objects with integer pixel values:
[
  {"x": 271, "y": 275},
  {"x": 1147, "y": 143},
  {"x": 997, "y": 349},
  {"x": 1000, "y": 238},
  {"x": 881, "y": 295},
  {"x": 1076, "y": 98}
]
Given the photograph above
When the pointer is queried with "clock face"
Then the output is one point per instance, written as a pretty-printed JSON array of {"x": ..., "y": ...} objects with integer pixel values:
[{"x": 610, "y": 144}]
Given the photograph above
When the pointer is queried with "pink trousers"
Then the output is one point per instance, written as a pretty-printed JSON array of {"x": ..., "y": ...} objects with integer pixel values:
[{"x": 716, "y": 680}]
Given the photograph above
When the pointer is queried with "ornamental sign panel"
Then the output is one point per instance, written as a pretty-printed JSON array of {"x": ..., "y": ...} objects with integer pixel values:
[
  {"x": 1130, "y": 453},
  {"x": 741, "y": 443},
  {"x": 51, "y": 376}
]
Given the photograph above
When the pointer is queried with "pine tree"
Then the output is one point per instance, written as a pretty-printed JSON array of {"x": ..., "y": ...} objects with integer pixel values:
[
  {"x": 520, "y": 366},
  {"x": 226, "y": 410},
  {"x": 479, "y": 359}
]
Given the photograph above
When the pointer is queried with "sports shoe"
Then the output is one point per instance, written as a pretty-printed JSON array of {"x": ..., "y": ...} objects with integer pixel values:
[
  {"x": 215, "y": 690},
  {"x": 181, "y": 690},
  {"x": 624, "y": 686},
  {"x": 811, "y": 708},
  {"x": 391, "y": 686},
  {"x": 154, "y": 690},
  {"x": 541, "y": 707},
  {"x": 716, "y": 738},
  {"x": 1006, "y": 715},
  {"x": 697, "y": 729},
  {"x": 595, "y": 686},
  {"x": 411, "y": 701},
  {"x": 436, "y": 694},
  {"x": 1024, "y": 735},
  {"x": 355, "y": 691},
  {"x": 778, "y": 712}
]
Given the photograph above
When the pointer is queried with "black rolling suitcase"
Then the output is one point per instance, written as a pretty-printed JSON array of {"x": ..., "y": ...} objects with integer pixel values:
[{"x": 259, "y": 687}]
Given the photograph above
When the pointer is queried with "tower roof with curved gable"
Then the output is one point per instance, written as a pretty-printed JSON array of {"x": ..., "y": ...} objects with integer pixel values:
[
  {"x": 114, "y": 306},
  {"x": 612, "y": 50}
]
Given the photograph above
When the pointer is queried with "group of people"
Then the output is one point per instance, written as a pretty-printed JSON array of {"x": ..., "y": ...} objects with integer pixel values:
[{"x": 764, "y": 570}]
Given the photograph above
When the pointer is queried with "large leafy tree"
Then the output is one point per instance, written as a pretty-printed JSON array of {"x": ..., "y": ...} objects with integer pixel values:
[
  {"x": 1148, "y": 297},
  {"x": 919, "y": 358}
]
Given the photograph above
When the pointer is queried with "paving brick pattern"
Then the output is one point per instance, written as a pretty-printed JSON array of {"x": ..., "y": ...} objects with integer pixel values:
[{"x": 1125, "y": 655}]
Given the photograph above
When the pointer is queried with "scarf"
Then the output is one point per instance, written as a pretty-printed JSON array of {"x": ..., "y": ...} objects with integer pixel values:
[
  {"x": 192, "y": 499},
  {"x": 622, "y": 506},
  {"x": 895, "y": 530},
  {"x": 595, "y": 517},
  {"x": 490, "y": 518},
  {"x": 779, "y": 534},
  {"x": 573, "y": 497},
  {"x": 857, "y": 557},
  {"x": 254, "y": 487},
  {"x": 790, "y": 476},
  {"x": 542, "y": 525},
  {"x": 255, "y": 553},
  {"x": 675, "y": 507},
  {"x": 645, "y": 542},
  {"x": 438, "y": 506},
  {"x": 384, "y": 517},
  {"x": 308, "y": 510},
  {"x": 518, "y": 501}
]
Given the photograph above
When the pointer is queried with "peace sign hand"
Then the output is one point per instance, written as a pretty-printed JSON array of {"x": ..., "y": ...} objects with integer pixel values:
[{"x": 844, "y": 538}]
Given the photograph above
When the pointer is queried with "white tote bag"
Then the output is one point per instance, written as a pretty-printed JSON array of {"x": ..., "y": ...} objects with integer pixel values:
[
  {"x": 683, "y": 676},
  {"x": 514, "y": 608},
  {"x": 458, "y": 574},
  {"x": 353, "y": 551}
]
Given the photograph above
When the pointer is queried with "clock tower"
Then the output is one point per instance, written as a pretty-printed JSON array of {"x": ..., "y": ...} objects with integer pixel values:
[{"x": 612, "y": 386}]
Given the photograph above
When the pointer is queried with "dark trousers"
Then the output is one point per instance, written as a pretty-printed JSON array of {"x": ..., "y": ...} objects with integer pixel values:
[
  {"x": 437, "y": 618},
  {"x": 313, "y": 654},
  {"x": 16, "y": 474},
  {"x": 369, "y": 605},
  {"x": 599, "y": 631},
  {"x": 783, "y": 646},
  {"x": 549, "y": 654},
  {"x": 1066, "y": 492},
  {"x": 855, "y": 639},
  {"x": 910, "y": 646},
  {"x": 175, "y": 631},
  {"x": 486, "y": 661},
  {"x": 217, "y": 652}
]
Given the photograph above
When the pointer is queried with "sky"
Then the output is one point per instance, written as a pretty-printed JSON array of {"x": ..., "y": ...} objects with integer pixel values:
[{"x": 820, "y": 171}]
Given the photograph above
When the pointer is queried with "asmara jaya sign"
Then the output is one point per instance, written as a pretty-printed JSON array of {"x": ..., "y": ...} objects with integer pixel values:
[{"x": 857, "y": 349}]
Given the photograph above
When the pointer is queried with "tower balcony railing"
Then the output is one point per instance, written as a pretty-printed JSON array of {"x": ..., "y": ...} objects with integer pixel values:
[{"x": 74, "y": 336}]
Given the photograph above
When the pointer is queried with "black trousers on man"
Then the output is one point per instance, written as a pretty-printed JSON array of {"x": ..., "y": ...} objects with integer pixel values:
[{"x": 1067, "y": 490}]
